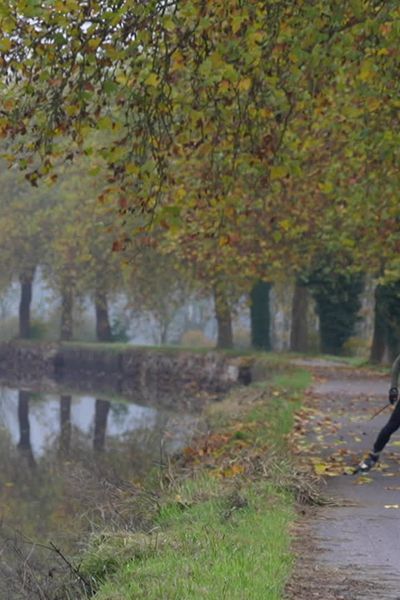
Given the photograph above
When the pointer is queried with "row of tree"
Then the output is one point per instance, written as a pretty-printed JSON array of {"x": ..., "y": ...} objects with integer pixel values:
[
  {"x": 62, "y": 228},
  {"x": 252, "y": 141}
]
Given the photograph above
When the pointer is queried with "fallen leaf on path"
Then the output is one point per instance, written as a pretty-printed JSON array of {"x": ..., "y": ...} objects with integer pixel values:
[
  {"x": 362, "y": 480},
  {"x": 348, "y": 470},
  {"x": 320, "y": 468}
]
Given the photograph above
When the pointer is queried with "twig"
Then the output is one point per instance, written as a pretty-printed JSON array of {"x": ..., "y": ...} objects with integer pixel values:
[{"x": 70, "y": 565}]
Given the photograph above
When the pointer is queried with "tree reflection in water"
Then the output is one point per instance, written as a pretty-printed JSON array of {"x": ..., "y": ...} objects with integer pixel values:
[
  {"x": 24, "y": 444},
  {"x": 65, "y": 425},
  {"x": 100, "y": 424}
]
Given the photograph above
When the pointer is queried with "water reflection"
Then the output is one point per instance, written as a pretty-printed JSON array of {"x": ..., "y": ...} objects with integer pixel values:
[
  {"x": 57, "y": 450},
  {"x": 65, "y": 425},
  {"x": 24, "y": 444},
  {"x": 36, "y": 420},
  {"x": 100, "y": 423}
]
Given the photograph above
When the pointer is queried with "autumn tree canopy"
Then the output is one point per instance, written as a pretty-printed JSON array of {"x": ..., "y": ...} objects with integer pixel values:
[{"x": 261, "y": 129}]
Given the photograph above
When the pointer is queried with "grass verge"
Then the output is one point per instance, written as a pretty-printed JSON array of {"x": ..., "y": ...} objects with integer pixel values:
[{"x": 220, "y": 527}]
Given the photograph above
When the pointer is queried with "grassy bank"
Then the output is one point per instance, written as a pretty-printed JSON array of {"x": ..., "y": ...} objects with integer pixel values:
[{"x": 220, "y": 526}]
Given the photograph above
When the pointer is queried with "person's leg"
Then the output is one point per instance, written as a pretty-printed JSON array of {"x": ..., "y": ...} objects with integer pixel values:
[
  {"x": 384, "y": 436},
  {"x": 391, "y": 426}
]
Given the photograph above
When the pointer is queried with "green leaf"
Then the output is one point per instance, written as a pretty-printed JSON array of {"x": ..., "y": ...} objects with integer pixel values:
[{"x": 278, "y": 172}]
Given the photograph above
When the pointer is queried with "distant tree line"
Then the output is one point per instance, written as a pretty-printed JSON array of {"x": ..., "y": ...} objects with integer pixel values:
[{"x": 65, "y": 231}]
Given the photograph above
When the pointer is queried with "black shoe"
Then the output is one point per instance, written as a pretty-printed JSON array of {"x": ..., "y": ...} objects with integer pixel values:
[{"x": 367, "y": 464}]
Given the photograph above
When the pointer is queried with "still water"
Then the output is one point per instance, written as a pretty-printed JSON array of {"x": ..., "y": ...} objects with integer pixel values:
[{"x": 65, "y": 458}]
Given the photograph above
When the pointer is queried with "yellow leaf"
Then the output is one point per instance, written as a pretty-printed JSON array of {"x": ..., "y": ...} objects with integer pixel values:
[
  {"x": 71, "y": 110},
  {"x": 237, "y": 23},
  {"x": 152, "y": 80},
  {"x": 320, "y": 468},
  {"x": 278, "y": 172},
  {"x": 177, "y": 61},
  {"x": 326, "y": 187},
  {"x": 104, "y": 123},
  {"x": 168, "y": 23},
  {"x": 366, "y": 72},
  {"x": 132, "y": 169},
  {"x": 266, "y": 113},
  {"x": 361, "y": 480},
  {"x": 285, "y": 224},
  {"x": 5, "y": 44},
  {"x": 180, "y": 193},
  {"x": 216, "y": 60},
  {"x": 224, "y": 85},
  {"x": 224, "y": 240},
  {"x": 94, "y": 43},
  {"x": 245, "y": 84},
  {"x": 374, "y": 104}
]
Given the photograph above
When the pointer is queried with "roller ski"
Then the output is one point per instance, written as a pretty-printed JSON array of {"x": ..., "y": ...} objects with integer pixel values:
[{"x": 367, "y": 463}]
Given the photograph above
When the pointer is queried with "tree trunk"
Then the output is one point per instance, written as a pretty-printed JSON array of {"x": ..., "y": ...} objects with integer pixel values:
[
  {"x": 100, "y": 424},
  {"x": 65, "y": 425},
  {"x": 224, "y": 320},
  {"x": 380, "y": 328},
  {"x": 24, "y": 444},
  {"x": 67, "y": 304},
  {"x": 299, "y": 328},
  {"x": 164, "y": 332},
  {"x": 260, "y": 316},
  {"x": 26, "y": 281},
  {"x": 103, "y": 327}
]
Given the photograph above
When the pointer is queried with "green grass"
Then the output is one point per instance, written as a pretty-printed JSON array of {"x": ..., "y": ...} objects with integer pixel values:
[
  {"x": 295, "y": 381},
  {"x": 272, "y": 359},
  {"x": 352, "y": 361},
  {"x": 211, "y": 555},
  {"x": 214, "y": 537}
]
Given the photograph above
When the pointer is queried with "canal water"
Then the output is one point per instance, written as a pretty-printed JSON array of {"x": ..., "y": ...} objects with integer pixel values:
[{"x": 69, "y": 463}]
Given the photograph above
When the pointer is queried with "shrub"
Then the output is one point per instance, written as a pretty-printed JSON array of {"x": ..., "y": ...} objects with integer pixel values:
[
  {"x": 119, "y": 329},
  {"x": 355, "y": 346},
  {"x": 38, "y": 330}
]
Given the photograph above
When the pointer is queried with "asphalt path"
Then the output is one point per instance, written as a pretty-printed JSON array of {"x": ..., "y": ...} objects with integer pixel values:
[{"x": 350, "y": 549}]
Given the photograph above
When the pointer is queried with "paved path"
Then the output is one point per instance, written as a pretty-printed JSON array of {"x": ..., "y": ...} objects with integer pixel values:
[{"x": 352, "y": 550}]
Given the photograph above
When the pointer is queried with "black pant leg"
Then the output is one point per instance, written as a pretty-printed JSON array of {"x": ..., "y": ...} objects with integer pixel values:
[{"x": 391, "y": 426}]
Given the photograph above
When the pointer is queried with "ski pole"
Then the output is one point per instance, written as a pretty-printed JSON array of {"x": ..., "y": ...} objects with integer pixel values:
[{"x": 378, "y": 412}]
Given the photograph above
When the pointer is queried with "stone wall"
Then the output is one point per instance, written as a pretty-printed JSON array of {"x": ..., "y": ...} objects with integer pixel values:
[{"x": 131, "y": 371}]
